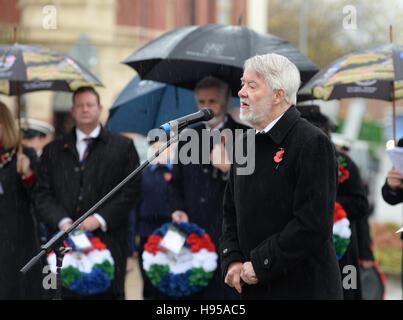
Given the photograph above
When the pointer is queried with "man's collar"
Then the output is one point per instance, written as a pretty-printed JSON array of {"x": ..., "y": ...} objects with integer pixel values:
[
  {"x": 270, "y": 125},
  {"x": 94, "y": 134},
  {"x": 219, "y": 126},
  {"x": 284, "y": 125}
]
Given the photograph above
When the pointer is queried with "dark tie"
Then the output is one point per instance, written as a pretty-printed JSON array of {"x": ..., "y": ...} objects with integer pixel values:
[{"x": 89, "y": 142}]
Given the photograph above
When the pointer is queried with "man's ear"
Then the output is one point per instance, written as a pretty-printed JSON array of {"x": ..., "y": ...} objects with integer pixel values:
[{"x": 279, "y": 96}]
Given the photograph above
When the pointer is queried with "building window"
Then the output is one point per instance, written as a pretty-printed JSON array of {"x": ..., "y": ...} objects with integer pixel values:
[{"x": 224, "y": 11}]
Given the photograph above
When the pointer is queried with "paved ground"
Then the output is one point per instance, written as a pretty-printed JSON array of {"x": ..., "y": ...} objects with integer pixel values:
[
  {"x": 134, "y": 285},
  {"x": 393, "y": 288}
]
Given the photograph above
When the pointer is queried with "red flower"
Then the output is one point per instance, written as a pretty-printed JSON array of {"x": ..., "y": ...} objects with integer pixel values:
[
  {"x": 66, "y": 146},
  {"x": 152, "y": 244},
  {"x": 279, "y": 157},
  {"x": 197, "y": 243},
  {"x": 344, "y": 174},
  {"x": 339, "y": 212},
  {"x": 97, "y": 244}
]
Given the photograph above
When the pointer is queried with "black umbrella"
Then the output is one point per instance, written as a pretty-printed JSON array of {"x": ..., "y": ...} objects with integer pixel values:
[
  {"x": 372, "y": 73},
  {"x": 25, "y": 69},
  {"x": 184, "y": 56}
]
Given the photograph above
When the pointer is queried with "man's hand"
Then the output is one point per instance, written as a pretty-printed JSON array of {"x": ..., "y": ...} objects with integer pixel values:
[
  {"x": 179, "y": 216},
  {"x": 394, "y": 180},
  {"x": 248, "y": 274},
  {"x": 90, "y": 224},
  {"x": 233, "y": 276},
  {"x": 219, "y": 158}
]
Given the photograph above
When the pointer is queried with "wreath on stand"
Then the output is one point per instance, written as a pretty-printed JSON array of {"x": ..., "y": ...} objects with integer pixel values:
[
  {"x": 86, "y": 272},
  {"x": 183, "y": 265}
]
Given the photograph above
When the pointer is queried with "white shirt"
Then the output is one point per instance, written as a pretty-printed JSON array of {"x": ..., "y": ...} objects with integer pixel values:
[
  {"x": 217, "y": 127},
  {"x": 81, "y": 145},
  {"x": 270, "y": 125}
]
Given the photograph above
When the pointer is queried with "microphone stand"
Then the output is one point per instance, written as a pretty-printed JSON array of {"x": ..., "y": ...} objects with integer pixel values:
[{"x": 58, "y": 239}]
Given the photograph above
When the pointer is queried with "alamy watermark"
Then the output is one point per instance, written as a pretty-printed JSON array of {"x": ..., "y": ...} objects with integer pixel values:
[
  {"x": 350, "y": 17},
  {"x": 49, "y": 17},
  {"x": 196, "y": 148},
  {"x": 349, "y": 278}
]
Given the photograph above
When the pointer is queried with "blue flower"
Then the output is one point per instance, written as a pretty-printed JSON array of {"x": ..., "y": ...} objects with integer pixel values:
[{"x": 91, "y": 283}]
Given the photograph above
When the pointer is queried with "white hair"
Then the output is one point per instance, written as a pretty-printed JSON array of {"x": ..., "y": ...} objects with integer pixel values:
[{"x": 278, "y": 72}]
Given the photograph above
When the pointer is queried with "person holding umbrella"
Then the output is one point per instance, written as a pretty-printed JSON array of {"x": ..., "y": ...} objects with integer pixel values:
[
  {"x": 196, "y": 189},
  {"x": 277, "y": 222},
  {"x": 392, "y": 190},
  {"x": 18, "y": 233},
  {"x": 351, "y": 196},
  {"x": 80, "y": 168}
]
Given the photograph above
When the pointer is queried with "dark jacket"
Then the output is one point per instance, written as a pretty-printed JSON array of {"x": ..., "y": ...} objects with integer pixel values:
[
  {"x": 18, "y": 235},
  {"x": 153, "y": 209},
  {"x": 392, "y": 196},
  {"x": 60, "y": 178},
  {"x": 280, "y": 217},
  {"x": 198, "y": 189},
  {"x": 351, "y": 194}
]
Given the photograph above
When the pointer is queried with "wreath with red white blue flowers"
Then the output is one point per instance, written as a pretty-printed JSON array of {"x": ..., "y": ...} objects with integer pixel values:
[
  {"x": 88, "y": 272},
  {"x": 180, "y": 277}
]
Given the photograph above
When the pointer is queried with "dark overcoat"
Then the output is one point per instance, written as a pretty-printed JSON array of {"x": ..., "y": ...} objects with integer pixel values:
[
  {"x": 18, "y": 235},
  {"x": 280, "y": 217},
  {"x": 351, "y": 194},
  {"x": 60, "y": 177}
]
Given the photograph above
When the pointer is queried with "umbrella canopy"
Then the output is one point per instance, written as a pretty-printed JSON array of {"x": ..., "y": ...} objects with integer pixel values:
[
  {"x": 369, "y": 73},
  {"x": 184, "y": 56},
  {"x": 144, "y": 105},
  {"x": 26, "y": 69}
]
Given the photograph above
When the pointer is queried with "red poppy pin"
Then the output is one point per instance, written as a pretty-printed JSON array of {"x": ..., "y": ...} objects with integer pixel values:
[
  {"x": 279, "y": 157},
  {"x": 66, "y": 146},
  {"x": 168, "y": 177}
]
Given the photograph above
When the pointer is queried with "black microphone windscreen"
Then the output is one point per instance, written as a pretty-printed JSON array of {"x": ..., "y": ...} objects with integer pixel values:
[{"x": 208, "y": 114}]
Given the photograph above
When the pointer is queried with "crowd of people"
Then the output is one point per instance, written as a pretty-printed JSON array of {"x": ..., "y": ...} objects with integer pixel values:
[{"x": 272, "y": 228}]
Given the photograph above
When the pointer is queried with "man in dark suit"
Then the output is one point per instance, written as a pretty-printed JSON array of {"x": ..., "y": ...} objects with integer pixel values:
[
  {"x": 80, "y": 168},
  {"x": 197, "y": 189},
  {"x": 277, "y": 223}
]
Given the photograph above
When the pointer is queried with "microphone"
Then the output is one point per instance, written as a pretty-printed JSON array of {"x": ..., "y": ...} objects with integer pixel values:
[{"x": 180, "y": 123}]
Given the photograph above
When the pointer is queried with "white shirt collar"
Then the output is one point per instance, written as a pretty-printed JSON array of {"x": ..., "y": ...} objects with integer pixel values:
[
  {"x": 270, "y": 125},
  {"x": 81, "y": 145},
  {"x": 219, "y": 126},
  {"x": 94, "y": 134}
]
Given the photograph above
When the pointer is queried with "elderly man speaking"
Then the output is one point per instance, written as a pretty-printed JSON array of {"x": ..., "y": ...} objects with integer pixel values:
[{"x": 277, "y": 223}]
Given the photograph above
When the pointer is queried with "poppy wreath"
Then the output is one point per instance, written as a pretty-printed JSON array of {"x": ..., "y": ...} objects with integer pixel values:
[
  {"x": 180, "y": 277},
  {"x": 88, "y": 272},
  {"x": 344, "y": 174},
  {"x": 341, "y": 231}
]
